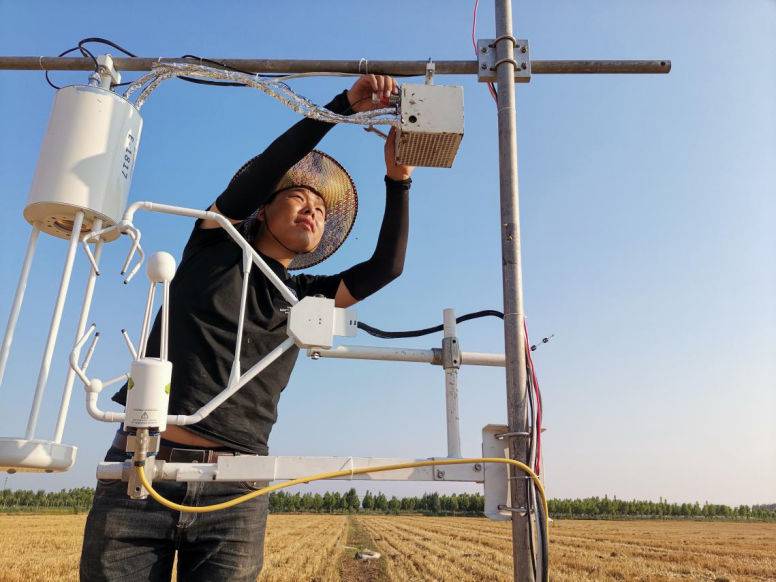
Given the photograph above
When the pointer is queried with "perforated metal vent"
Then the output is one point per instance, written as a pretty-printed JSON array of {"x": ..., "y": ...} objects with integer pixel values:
[{"x": 432, "y": 150}]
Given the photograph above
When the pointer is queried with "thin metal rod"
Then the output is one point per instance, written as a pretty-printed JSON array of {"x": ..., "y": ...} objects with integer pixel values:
[
  {"x": 163, "y": 350},
  {"x": 85, "y": 307},
  {"x": 145, "y": 329},
  {"x": 234, "y": 375},
  {"x": 451, "y": 387},
  {"x": 353, "y": 67},
  {"x": 514, "y": 339},
  {"x": 206, "y": 409},
  {"x": 56, "y": 319},
  {"x": 18, "y": 299}
]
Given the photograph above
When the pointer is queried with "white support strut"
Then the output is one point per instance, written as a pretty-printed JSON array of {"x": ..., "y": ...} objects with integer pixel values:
[
  {"x": 282, "y": 468},
  {"x": 80, "y": 328},
  {"x": 451, "y": 362},
  {"x": 56, "y": 319},
  {"x": 18, "y": 299}
]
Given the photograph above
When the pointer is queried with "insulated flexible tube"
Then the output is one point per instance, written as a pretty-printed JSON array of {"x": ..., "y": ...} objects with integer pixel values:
[{"x": 343, "y": 473}]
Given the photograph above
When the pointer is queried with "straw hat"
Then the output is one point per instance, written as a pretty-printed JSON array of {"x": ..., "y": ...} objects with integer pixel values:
[{"x": 322, "y": 174}]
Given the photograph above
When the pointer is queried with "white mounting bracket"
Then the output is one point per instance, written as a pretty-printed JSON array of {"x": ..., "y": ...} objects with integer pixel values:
[
  {"x": 106, "y": 72},
  {"x": 430, "y": 70},
  {"x": 496, "y": 475},
  {"x": 486, "y": 60},
  {"x": 314, "y": 321}
]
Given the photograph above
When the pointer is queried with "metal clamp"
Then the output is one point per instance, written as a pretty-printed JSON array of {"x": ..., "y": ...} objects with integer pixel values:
[
  {"x": 522, "y": 511},
  {"x": 430, "y": 70},
  {"x": 498, "y": 39},
  {"x": 487, "y": 63},
  {"x": 504, "y": 435},
  {"x": 513, "y": 61},
  {"x": 451, "y": 353}
]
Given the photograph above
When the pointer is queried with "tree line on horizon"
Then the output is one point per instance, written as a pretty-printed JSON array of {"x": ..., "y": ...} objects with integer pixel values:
[{"x": 80, "y": 499}]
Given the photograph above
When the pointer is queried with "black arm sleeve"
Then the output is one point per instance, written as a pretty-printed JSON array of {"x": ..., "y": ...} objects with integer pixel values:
[
  {"x": 387, "y": 262},
  {"x": 252, "y": 185}
]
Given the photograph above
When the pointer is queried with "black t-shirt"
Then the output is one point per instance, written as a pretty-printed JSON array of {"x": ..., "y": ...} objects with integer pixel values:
[
  {"x": 205, "y": 298},
  {"x": 204, "y": 310}
]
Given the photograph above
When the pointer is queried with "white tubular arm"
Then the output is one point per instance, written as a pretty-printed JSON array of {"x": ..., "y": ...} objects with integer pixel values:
[
  {"x": 246, "y": 247},
  {"x": 103, "y": 415},
  {"x": 182, "y": 420}
]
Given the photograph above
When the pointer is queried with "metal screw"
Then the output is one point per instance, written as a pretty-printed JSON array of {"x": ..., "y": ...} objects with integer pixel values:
[
  {"x": 316, "y": 355},
  {"x": 523, "y": 66},
  {"x": 440, "y": 474},
  {"x": 523, "y": 49},
  {"x": 484, "y": 49},
  {"x": 477, "y": 467},
  {"x": 483, "y": 66}
]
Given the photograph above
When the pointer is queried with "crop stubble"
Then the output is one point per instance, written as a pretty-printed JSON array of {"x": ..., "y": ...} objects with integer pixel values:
[
  {"x": 463, "y": 549},
  {"x": 310, "y": 547}
]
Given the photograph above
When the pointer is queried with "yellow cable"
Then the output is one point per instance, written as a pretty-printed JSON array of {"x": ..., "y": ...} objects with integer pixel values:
[
  {"x": 333, "y": 474},
  {"x": 344, "y": 473}
]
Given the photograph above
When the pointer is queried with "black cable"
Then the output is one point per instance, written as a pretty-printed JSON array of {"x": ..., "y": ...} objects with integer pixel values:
[
  {"x": 425, "y": 331},
  {"x": 545, "y": 542},
  {"x": 530, "y": 507},
  {"x": 110, "y": 43},
  {"x": 85, "y": 52}
]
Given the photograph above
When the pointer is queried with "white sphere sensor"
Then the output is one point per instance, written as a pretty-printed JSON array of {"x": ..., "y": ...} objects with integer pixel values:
[{"x": 161, "y": 267}]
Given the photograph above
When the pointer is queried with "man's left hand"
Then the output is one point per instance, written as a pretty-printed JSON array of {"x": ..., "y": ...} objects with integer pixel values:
[{"x": 360, "y": 94}]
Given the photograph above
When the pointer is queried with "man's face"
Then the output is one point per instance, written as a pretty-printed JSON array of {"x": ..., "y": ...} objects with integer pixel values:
[{"x": 296, "y": 217}]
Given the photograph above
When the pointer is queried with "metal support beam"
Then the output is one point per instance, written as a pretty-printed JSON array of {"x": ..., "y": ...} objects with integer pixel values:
[
  {"x": 399, "y": 68},
  {"x": 514, "y": 339}
]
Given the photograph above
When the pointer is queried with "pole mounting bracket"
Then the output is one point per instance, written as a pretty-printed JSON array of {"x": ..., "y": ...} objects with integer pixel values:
[{"x": 487, "y": 63}]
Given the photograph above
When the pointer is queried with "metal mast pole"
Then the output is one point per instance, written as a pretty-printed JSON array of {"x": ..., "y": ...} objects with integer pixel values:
[{"x": 514, "y": 339}]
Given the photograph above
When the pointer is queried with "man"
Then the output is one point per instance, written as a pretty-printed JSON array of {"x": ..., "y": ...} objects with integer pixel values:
[{"x": 296, "y": 206}]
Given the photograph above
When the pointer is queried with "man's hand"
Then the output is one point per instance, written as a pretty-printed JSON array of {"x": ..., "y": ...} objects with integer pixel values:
[
  {"x": 393, "y": 170},
  {"x": 360, "y": 94}
]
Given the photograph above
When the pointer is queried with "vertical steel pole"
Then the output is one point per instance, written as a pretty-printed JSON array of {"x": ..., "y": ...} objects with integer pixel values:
[
  {"x": 85, "y": 307},
  {"x": 514, "y": 340},
  {"x": 451, "y": 361}
]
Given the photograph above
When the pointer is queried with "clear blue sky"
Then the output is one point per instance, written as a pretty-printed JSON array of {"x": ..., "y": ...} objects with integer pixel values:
[{"x": 647, "y": 210}]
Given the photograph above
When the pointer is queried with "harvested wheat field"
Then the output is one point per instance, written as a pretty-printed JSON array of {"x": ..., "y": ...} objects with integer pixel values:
[
  {"x": 319, "y": 548},
  {"x": 421, "y": 548}
]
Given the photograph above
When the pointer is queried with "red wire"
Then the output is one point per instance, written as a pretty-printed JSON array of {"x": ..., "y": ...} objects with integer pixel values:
[{"x": 491, "y": 87}]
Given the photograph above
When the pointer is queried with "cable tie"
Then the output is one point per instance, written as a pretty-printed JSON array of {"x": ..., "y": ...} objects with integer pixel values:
[
  {"x": 366, "y": 66},
  {"x": 40, "y": 63}
]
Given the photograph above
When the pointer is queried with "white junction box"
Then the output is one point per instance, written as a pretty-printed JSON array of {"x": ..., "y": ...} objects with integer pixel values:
[{"x": 431, "y": 125}]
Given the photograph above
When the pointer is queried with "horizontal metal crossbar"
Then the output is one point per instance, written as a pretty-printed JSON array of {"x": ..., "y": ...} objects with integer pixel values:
[{"x": 354, "y": 67}]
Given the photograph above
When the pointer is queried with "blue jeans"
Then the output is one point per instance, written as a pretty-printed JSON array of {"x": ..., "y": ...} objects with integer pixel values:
[{"x": 136, "y": 539}]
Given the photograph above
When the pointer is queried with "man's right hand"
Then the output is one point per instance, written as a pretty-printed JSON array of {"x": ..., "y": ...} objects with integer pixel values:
[{"x": 393, "y": 170}]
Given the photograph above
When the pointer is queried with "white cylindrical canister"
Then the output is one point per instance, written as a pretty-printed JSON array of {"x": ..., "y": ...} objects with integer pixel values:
[
  {"x": 148, "y": 394},
  {"x": 86, "y": 161}
]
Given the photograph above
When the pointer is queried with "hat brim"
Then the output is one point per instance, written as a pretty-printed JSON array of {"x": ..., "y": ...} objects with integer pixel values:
[{"x": 326, "y": 177}]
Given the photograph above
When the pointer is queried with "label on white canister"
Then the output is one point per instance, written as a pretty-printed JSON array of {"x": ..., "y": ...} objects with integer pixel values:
[{"x": 148, "y": 394}]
